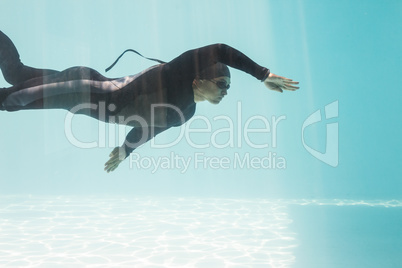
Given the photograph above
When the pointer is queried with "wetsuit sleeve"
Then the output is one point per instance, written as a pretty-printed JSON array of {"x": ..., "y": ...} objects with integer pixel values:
[
  {"x": 138, "y": 136},
  {"x": 193, "y": 61}
]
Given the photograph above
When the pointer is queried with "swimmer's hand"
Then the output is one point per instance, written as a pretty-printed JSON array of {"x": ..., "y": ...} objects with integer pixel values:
[
  {"x": 116, "y": 157},
  {"x": 279, "y": 83}
]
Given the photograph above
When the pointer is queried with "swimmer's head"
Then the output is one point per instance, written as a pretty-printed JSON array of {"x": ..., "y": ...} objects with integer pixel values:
[
  {"x": 212, "y": 83},
  {"x": 214, "y": 71},
  {"x": 213, "y": 90}
]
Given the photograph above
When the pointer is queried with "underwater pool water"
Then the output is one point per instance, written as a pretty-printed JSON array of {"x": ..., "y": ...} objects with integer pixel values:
[{"x": 305, "y": 179}]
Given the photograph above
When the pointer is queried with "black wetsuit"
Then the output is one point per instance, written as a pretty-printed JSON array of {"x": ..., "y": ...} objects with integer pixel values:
[{"x": 170, "y": 82}]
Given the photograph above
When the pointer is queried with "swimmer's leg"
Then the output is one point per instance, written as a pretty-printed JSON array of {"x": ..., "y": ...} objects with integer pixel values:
[
  {"x": 14, "y": 71},
  {"x": 64, "y": 90}
]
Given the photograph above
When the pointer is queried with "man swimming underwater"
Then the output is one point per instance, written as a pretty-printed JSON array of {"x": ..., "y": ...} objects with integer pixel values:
[{"x": 173, "y": 88}]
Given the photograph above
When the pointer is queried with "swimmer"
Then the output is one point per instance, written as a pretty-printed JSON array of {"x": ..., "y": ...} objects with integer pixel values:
[{"x": 162, "y": 96}]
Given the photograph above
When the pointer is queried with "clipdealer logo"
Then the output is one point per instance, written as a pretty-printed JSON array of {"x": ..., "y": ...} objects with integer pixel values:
[
  {"x": 331, "y": 154},
  {"x": 237, "y": 132},
  {"x": 254, "y": 132}
]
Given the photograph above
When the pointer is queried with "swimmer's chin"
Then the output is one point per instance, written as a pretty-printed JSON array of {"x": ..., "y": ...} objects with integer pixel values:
[{"x": 215, "y": 102}]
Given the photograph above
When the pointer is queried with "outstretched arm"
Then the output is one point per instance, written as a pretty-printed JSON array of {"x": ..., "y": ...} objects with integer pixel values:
[
  {"x": 194, "y": 61},
  {"x": 135, "y": 138}
]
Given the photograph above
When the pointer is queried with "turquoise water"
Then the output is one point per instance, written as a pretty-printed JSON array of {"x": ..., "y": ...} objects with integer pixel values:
[{"x": 318, "y": 186}]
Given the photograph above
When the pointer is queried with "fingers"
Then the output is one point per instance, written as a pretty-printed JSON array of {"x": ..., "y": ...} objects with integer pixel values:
[
  {"x": 290, "y": 87},
  {"x": 290, "y": 81},
  {"x": 113, "y": 161},
  {"x": 114, "y": 152},
  {"x": 116, "y": 157},
  {"x": 111, "y": 167},
  {"x": 112, "y": 164}
]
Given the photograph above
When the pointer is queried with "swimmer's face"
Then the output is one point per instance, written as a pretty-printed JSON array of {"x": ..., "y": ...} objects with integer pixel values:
[{"x": 214, "y": 90}]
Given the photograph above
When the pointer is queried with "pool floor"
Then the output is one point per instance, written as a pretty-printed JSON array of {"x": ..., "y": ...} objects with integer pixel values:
[{"x": 113, "y": 231}]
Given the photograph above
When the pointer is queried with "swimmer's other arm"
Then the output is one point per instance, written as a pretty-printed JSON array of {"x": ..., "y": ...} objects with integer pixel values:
[{"x": 135, "y": 138}]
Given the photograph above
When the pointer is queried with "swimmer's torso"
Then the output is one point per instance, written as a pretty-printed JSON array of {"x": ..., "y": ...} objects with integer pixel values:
[
  {"x": 146, "y": 101},
  {"x": 144, "y": 110}
]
